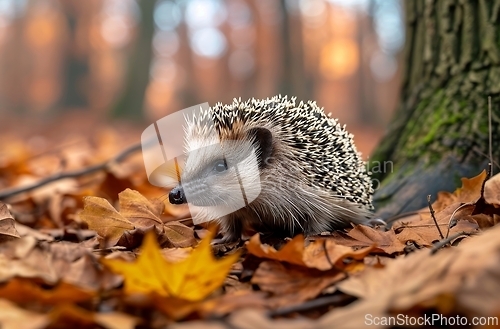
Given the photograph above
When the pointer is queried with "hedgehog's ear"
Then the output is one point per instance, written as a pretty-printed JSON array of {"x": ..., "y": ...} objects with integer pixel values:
[{"x": 263, "y": 141}]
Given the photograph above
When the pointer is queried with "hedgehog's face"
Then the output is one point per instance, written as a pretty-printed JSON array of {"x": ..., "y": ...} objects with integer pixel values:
[
  {"x": 212, "y": 174},
  {"x": 223, "y": 173}
]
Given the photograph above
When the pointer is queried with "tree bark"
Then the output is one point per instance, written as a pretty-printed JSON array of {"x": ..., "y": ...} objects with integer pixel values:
[{"x": 440, "y": 131}]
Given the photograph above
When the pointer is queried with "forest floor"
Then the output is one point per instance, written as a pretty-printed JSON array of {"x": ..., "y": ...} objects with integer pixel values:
[{"x": 103, "y": 248}]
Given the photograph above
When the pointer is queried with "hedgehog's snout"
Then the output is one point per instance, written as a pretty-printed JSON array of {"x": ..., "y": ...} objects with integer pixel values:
[{"x": 177, "y": 196}]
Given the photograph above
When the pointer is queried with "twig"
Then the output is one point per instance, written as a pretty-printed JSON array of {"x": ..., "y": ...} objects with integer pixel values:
[
  {"x": 114, "y": 248},
  {"x": 434, "y": 217},
  {"x": 453, "y": 215},
  {"x": 440, "y": 244},
  {"x": 490, "y": 147},
  {"x": 312, "y": 304},
  {"x": 10, "y": 192},
  {"x": 478, "y": 151},
  {"x": 327, "y": 255}
]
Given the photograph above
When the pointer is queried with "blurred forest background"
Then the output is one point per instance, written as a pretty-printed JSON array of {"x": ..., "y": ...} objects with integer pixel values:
[{"x": 140, "y": 60}]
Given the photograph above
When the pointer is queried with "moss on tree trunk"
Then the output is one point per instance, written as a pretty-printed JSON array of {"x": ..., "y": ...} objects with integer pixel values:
[{"x": 440, "y": 131}]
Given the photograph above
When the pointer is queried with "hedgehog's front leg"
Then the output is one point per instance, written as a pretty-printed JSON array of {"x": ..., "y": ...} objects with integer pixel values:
[{"x": 231, "y": 228}]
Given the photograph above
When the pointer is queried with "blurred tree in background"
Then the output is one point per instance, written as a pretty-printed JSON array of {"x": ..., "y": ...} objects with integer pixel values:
[{"x": 147, "y": 58}]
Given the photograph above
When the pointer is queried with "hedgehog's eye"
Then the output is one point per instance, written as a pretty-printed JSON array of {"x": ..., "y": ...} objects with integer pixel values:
[{"x": 220, "y": 165}]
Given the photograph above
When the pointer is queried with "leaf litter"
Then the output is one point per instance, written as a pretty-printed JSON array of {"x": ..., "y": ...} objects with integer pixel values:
[{"x": 105, "y": 250}]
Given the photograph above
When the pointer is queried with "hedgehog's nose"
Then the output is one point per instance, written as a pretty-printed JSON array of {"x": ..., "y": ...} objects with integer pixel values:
[{"x": 176, "y": 195}]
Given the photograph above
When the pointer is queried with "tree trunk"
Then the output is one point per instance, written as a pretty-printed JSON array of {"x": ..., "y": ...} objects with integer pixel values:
[
  {"x": 440, "y": 131},
  {"x": 131, "y": 101}
]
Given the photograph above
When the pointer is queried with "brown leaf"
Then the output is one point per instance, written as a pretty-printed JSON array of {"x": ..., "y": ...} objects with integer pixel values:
[
  {"x": 116, "y": 320},
  {"x": 250, "y": 319},
  {"x": 101, "y": 217},
  {"x": 72, "y": 316},
  {"x": 24, "y": 258},
  {"x": 325, "y": 253},
  {"x": 424, "y": 231},
  {"x": 293, "y": 284},
  {"x": 230, "y": 302},
  {"x": 7, "y": 223},
  {"x": 87, "y": 273},
  {"x": 470, "y": 192},
  {"x": 469, "y": 272},
  {"x": 139, "y": 210},
  {"x": 23, "y": 291},
  {"x": 14, "y": 317},
  {"x": 486, "y": 221},
  {"x": 492, "y": 191},
  {"x": 291, "y": 252},
  {"x": 364, "y": 236},
  {"x": 177, "y": 235},
  {"x": 322, "y": 253},
  {"x": 27, "y": 231}
]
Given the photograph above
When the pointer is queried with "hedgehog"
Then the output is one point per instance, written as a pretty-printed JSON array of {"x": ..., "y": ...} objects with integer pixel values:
[{"x": 309, "y": 176}]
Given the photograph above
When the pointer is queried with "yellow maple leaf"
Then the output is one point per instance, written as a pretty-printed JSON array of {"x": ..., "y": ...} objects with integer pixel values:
[{"x": 193, "y": 278}]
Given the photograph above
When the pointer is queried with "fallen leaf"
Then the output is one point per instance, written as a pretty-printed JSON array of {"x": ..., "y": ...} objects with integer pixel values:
[
  {"x": 322, "y": 253},
  {"x": 14, "y": 317},
  {"x": 469, "y": 272},
  {"x": 138, "y": 210},
  {"x": 22, "y": 291},
  {"x": 471, "y": 188},
  {"x": 177, "y": 235},
  {"x": 192, "y": 279},
  {"x": 424, "y": 231},
  {"x": 71, "y": 316},
  {"x": 128, "y": 226},
  {"x": 293, "y": 284},
  {"x": 87, "y": 273},
  {"x": 101, "y": 217},
  {"x": 7, "y": 223},
  {"x": 470, "y": 192},
  {"x": 230, "y": 302},
  {"x": 292, "y": 252},
  {"x": 24, "y": 258},
  {"x": 492, "y": 191},
  {"x": 364, "y": 236},
  {"x": 249, "y": 319},
  {"x": 116, "y": 320}
]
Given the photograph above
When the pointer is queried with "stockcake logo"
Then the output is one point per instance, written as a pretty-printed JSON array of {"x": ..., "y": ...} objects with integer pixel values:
[{"x": 215, "y": 178}]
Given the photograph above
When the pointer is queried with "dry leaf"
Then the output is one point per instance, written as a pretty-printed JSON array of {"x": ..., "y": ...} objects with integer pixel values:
[
  {"x": 322, "y": 253},
  {"x": 293, "y": 284},
  {"x": 470, "y": 192},
  {"x": 492, "y": 191},
  {"x": 364, "y": 236},
  {"x": 292, "y": 252},
  {"x": 137, "y": 215},
  {"x": 177, "y": 235},
  {"x": 24, "y": 258},
  {"x": 138, "y": 210},
  {"x": 13, "y": 317},
  {"x": 101, "y": 217},
  {"x": 7, "y": 223},
  {"x": 230, "y": 302},
  {"x": 116, "y": 320},
  {"x": 193, "y": 278},
  {"x": 469, "y": 272},
  {"x": 22, "y": 291}
]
